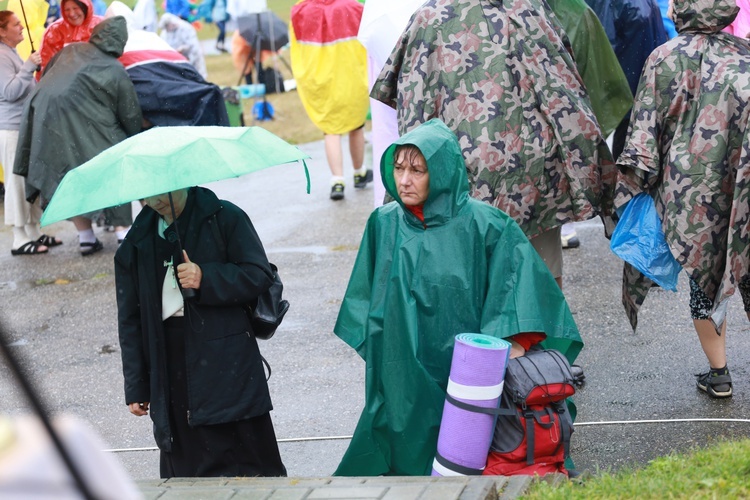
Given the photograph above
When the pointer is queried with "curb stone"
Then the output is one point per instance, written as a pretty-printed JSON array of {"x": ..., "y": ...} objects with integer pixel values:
[{"x": 351, "y": 488}]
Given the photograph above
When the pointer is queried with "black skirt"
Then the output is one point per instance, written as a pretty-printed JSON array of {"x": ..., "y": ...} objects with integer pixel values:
[{"x": 246, "y": 448}]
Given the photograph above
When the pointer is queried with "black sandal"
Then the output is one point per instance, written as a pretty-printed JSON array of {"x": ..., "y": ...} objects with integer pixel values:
[
  {"x": 48, "y": 241},
  {"x": 91, "y": 248},
  {"x": 28, "y": 248}
]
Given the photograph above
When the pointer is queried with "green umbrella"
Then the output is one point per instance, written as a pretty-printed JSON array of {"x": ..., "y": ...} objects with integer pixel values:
[{"x": 164, "y": 159}]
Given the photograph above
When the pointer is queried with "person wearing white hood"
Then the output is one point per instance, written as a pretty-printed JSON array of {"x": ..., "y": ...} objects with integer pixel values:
[{"x": 181, "y": 36}]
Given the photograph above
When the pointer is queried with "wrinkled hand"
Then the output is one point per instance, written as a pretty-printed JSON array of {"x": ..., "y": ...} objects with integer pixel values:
[
  {"x": 36, "y": 58},
  {"x": 189, "y": 273},
  {"x": 139, "y": 409}
]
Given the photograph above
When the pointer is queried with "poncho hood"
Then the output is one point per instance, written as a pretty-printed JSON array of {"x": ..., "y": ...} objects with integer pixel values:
[
  {"x": 449, "y": 183},
  {"x": 703, "y": 16},
  {"x": 88, "y": 11},
  {"x": 110, "y": 36}
]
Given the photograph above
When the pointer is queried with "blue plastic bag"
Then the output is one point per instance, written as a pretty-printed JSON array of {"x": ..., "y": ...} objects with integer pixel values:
[{"x": 639, "y": 240}]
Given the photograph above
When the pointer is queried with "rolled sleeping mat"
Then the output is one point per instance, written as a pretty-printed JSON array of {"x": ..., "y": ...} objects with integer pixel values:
[{"x": 476, "y": 379}]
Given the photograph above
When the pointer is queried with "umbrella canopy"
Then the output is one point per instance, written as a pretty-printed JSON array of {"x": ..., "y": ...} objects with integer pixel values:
[
  {"x": 33, "y": 13},
  {"x": 164, "y": 159},
  {"x": 267, "y": 26}
]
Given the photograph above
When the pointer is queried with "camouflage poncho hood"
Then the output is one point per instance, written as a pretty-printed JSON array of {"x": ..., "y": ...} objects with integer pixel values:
[
  {"x": 703, "y": 16},
  {"x": 689, "y": 148}
]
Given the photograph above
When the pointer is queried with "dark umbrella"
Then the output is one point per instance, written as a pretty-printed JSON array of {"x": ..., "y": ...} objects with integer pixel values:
[{"x": 263, "y": 31}]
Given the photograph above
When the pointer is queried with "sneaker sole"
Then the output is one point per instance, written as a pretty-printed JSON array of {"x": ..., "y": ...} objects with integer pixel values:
[{"x": 714, "y": 394}]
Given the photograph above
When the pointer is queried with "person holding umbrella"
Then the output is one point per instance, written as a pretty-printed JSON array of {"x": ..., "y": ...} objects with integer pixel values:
[
  {"x": 16, "y": 83},
  {"x": 194, "y": 365}
]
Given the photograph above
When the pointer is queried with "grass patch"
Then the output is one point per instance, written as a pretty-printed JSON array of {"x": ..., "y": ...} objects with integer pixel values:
[{"x": 719, "y": 471}]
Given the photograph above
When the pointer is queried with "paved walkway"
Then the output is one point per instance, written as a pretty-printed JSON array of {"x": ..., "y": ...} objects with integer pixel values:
[{"x": 359, "y": 488}]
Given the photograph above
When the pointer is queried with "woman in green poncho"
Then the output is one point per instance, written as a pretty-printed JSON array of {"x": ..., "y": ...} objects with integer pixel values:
[{"x": 433, "y": 264}]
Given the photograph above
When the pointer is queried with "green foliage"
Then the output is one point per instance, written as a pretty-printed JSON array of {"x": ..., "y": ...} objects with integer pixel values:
[{"x": 719, "y": 471}]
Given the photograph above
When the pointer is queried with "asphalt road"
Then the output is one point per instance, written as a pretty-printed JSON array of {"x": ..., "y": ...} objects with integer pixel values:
[{"x": 59, "y": 313}]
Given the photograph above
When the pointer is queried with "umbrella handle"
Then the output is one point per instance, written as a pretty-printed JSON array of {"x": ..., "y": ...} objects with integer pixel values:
[{"x": 187, "y": 293}]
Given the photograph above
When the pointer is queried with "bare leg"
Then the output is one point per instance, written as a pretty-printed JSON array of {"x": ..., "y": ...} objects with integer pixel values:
[
  {"x": 357, "y": 147},
  {"x": 81, "y": 223},
  {"x": 714, "y": 346},
  {"x": 334, "y": 154}
]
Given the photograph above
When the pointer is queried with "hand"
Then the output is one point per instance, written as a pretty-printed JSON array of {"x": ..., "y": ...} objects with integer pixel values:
[
  {"x": 516, "y": 350},
  {"x": 189, "y": 273},
  {"x": 36, "y": 58},
  {"x": 139, "y": 409}
]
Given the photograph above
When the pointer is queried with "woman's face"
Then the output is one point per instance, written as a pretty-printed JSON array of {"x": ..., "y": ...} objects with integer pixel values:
[
  {"x": 160, "y": 203},
  {"x": 412, "y": 178},
  {"x": 73, "y": 13},
  {"x": 12, "y": 34}
]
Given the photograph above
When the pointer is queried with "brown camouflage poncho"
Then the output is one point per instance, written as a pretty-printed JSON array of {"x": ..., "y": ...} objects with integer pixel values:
[
  {"x": 497, "y": 73},
  {"x": 688, "y": 147}
]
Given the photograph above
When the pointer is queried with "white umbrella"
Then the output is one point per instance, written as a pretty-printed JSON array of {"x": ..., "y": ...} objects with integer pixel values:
[{"x": 382, "y": 23}]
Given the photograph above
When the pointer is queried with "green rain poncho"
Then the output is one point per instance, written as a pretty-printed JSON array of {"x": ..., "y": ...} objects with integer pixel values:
[{"x": 414, "y": 286}]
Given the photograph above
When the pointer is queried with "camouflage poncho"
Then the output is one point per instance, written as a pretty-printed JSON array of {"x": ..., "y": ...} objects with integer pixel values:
[
  {"x": 688, "y": 147},
  {"x": 497, "y": 73}
]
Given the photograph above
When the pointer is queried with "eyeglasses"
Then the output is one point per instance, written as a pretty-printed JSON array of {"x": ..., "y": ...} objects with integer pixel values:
[{"x": 400, "y": 170}]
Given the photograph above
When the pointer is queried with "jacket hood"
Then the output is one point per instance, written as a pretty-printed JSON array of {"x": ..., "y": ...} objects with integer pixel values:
[
  {"x": 449, "y": 183},
  {"x": 89, "y": 10},
  {"x": 703, "y": 16},
  {"x": 110, "y": 36}
]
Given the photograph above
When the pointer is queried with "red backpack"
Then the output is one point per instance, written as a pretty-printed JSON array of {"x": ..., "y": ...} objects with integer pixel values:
[{"x": 533, "y": 428}]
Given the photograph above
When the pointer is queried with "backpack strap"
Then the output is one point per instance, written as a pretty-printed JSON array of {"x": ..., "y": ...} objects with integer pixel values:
[
  {"x": 479, "y": 409},
  {"x": 566, "y": 427},
  {"x": 528, "y": 415},
  {"x": 214, "y": 223},
  {"x": 454, "y": 467}
]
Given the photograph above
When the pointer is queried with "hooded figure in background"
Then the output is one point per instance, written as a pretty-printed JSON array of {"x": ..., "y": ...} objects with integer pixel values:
[
  {"x": 76, "y": 24},
  {"x": 170, "y": 90},
  {"x": 426, "y": 272},
  {"x": 688, "y": 148},
  {"x": 84, "y": 104},
  {"x": 181, "y": 36}
]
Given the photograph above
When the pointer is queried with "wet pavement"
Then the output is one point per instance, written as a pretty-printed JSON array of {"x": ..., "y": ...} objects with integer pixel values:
[{"x": 60, "y": 314}]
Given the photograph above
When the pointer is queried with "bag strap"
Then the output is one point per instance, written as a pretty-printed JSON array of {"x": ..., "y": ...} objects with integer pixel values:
[
  {"x": 453, "y": 466},
  {"x": 529, "y": 417},
  {"x": 480, "y": 409},
  {"x": 214, "y": 223}
]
